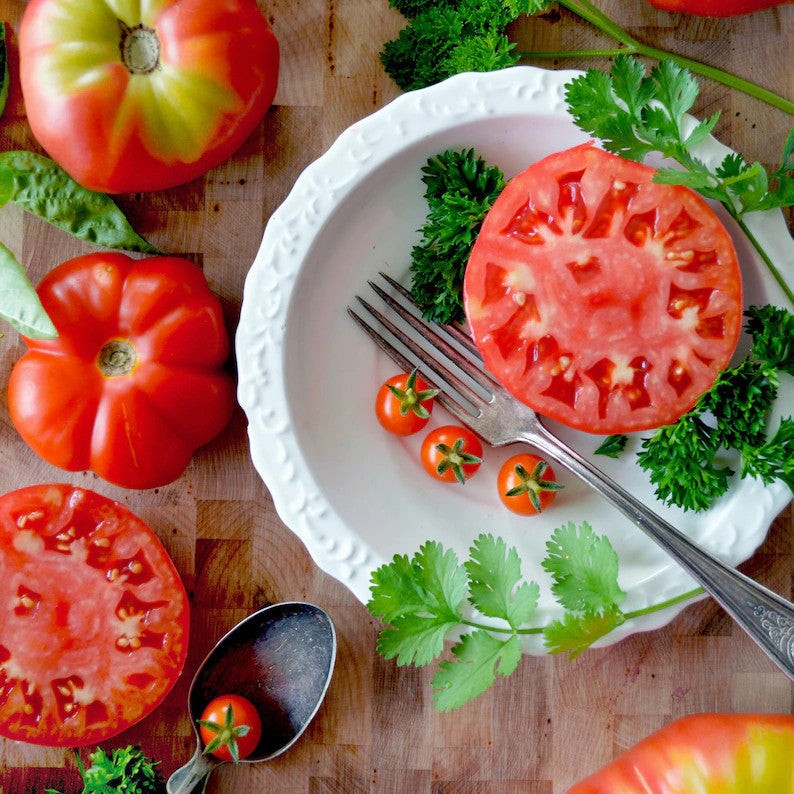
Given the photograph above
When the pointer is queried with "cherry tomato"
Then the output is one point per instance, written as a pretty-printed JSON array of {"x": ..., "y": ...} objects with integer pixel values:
[
  {"x": 230, "y": 727},
  {"x": 404, "y": 403},
  {"x": 451, "y": 453},
  {"x": 95, "y": 623},
  {"x": 526, "y": 484},
  {"x": 134, "y": 382},
  {"x": 141, "y": 96},
  {"x": 600, "y": 298}
]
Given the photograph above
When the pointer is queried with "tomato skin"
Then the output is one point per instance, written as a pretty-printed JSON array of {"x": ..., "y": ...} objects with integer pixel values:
[
  {"x": 708, "y": 753},
  {"x": 717, "y": 8},
  {"x": 388, "y": 405},
  {"x": 509, "y": 477},
  {"x": 138, "y": 429},
  {"x": 95, "y": 632},
  {"x": 244, "y": 713},
  {"x": 600, "y": 298},
  {"x": 117, "y": 131},
  {"x": 447, "y": 436}
]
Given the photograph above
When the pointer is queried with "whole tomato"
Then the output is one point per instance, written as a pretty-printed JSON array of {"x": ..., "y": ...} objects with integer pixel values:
[
  {"x": 143, "y": 96},
  {"x": 230, "y": 727},
  {"x": 717, "y": 8},
  {"x": 451, "y": 454},
  {"x": 404, "y": 403},
  {"x": 133, "y": 383},
  {"x": 526, "y": 484}
]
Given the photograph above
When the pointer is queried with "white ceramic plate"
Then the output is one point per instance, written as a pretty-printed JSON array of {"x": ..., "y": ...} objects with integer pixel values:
[{"x": 356, "y": 495}]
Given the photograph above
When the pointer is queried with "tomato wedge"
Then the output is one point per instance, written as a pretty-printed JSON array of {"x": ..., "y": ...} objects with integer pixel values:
[
  {"x": 600, "y": 298},
  {"x": 95, "y": 630}
]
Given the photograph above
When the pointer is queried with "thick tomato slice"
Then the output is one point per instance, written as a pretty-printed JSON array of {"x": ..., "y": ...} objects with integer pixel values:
[
  {"x": 95, "y": 630},
  {"x": 600, "y": 298}
]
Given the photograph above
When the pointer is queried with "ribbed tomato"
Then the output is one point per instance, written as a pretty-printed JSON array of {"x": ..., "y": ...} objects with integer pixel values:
[
  {"x": 133, "y": 383},
  {"x": 146, "y": 95},
  {"x": 600, "y": 298},
  {"x": 95, "y": 622}
]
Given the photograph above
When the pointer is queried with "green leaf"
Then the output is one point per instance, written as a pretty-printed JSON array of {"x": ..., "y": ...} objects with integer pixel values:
[
  {"x": 584, "y": 568},
  {"x": 479, "y": 658},
  {"x": 495, "y": 583},
  {"x": 612, "y": 446},
  {"x": 396, "y": 590},
  {"x": 122, "y": 771},
  {"x": 773, "y": 460},
  {"x": 415, "y": 639},
  {"x": 574, "y": 634},
  {"x": 44, "y": 189},
  {"x": 772, "y": 329},
  {"x": 19, "y": 303}
]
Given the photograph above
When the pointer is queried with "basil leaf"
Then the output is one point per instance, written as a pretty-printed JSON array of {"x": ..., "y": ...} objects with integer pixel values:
[
  {"x": 44, "y": 189},
  {"x": 19, "y": 303},
  {"x": 3, "y": 68}
]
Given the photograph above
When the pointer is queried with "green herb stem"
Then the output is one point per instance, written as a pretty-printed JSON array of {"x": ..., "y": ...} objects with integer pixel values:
[
  {"x": 776, "y": 274},
  {"x": 587, "y": 11}
]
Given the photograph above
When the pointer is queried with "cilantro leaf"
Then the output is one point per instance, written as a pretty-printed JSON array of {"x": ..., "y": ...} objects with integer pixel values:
[
  {"x": 479, "y": 657},
  {"x": 612, "y": 446},
  {"x": 415, "y": 639},
  {"x": 574, "y": 634},
  {"x": 584, "y": 568},
  {"x": 494, "y": 576}
]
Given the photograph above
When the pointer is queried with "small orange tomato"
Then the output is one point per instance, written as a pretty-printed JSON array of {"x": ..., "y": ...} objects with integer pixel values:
[
  {"x": 527, "y": 484},
  {"x": 230, "y": 728},
  {"x": 451, "y": 453}
]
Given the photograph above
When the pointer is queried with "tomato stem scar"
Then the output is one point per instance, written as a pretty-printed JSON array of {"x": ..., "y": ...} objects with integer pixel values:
[
  {"x": 117, "y": 358},
  {"x": 140, "y": 48}
]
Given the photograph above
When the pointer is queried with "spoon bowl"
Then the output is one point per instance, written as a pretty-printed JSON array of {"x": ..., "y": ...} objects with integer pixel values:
[{"x": 281, "y": 658}]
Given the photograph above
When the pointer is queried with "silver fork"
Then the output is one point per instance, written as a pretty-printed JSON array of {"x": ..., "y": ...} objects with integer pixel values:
[{"x": 496, "y": 416}]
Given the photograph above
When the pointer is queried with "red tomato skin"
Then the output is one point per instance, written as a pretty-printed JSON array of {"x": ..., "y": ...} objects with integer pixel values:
[
  {"x": 717, "y": 8},
  {"x": 448, "y": 434},
  {"x": 507, "y": 479},
  {"x": 102, "y": 142},
  {"x": 387, "y": 408},
  {"x": 138, "y": 430},
  {"x": 710, "y": 752},
  {"x": 244, "y": 712},
  {"x": 625, "y": 318},
  {"x": 71, "y": 633}
]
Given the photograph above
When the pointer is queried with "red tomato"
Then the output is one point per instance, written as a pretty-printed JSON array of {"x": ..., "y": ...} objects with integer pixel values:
[
  {"x": 717, "y": 8},
  {"x": 143, "y": 96},
  {"x": 451, "y": 453},
  {"x": 600, "y": 298},
  {"x": 527, "y": 484},
  {"x": 230, "y": 736},
  {"x": 404, "y": 403},
  {"x": 705, "y": 753},
  {"x": 133, "y": 383},
  {"x": 95, "y": 624}
]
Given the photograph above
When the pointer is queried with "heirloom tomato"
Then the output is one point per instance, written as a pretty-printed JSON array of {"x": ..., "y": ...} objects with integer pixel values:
[
  {"x": 707, "y": 754},
  {"x": 133, "y": 383},
  {"x": 451, "y": 453},
  {"x": 95, "y": 624},
  {"x": 143, "y": 96},
  {"x": 404, "y": 403},
  {"x": 230, "y": 727},
  {"x": 600, "y": 298},
  {"x": 717, "y": 8}
]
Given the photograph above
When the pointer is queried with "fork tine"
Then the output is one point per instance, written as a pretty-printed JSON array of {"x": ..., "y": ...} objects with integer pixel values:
[
  {"x": 482, "y": 379},
  {"x": 434, "y": 370},
  {"x": 460, "y": 336}
]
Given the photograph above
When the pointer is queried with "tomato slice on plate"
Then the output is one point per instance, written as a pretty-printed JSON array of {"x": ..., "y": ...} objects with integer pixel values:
[
  {"x": 600, "y": 298},
  {"x": 96, "y": 624}
]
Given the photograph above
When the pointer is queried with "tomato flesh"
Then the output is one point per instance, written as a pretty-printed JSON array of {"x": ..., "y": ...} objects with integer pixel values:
[
  {"x": 97, "y": 627},
  {"x": 600, "y": 298}
]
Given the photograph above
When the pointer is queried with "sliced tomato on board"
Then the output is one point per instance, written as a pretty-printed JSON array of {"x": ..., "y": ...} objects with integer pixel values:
[
  {"x": 95, "y": 630},
  {"x": 600, "y": 298}
]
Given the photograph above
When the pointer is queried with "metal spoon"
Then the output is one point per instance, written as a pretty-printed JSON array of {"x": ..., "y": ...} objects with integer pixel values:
[{"x": 281, "y": 659}]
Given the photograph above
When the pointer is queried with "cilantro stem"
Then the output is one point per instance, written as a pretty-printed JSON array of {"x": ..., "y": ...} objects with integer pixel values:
[
  {"x": 631, "y": 46},
  {"x": 627, "y": 615}
]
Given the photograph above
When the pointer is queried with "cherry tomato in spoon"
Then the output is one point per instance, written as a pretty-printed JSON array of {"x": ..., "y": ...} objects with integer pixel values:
[{"x": 230, "y": 727}]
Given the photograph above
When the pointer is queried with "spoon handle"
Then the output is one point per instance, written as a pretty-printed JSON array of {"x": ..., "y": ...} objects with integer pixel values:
[{"x": 193, "y": 776}]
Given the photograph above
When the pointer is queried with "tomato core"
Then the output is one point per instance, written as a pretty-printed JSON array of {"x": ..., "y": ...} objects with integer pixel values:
[
  {"x": 117, "y": 358},
  {"x": 140, "y": 48}
]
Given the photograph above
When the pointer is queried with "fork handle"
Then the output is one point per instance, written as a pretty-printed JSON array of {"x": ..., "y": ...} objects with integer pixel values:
[{"x": 765, "y": 616}]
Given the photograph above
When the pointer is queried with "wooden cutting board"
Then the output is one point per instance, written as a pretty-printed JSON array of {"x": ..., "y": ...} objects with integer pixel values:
[{"x": 553, "y": 721}]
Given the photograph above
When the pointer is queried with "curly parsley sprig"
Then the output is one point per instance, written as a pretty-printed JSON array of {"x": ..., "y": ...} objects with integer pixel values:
[
  {"x": 124, "y": 769},
  {"x": 445, "y": 37},
  {"x": 421, "y": 600}
]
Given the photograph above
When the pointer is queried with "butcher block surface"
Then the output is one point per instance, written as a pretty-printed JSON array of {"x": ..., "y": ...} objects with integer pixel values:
[{"x": 554, "y": 721}]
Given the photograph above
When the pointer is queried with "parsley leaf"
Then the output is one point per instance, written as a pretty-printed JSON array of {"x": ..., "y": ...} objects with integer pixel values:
[
  {"x": 612, "y": 446},
  {"x": 772, "y": 329},
  {"x": 574, "y": 634},
  {"x": 124, "y": 769},
  {"x": 460, "y": 189},
  {"x": 584, "y": 568}
]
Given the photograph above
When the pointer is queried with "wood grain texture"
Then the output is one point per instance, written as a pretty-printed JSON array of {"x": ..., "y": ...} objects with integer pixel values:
[{"x": 553, "y": 721}]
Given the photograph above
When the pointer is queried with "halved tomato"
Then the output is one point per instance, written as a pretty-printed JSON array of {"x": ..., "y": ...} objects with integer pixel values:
[
  {"x": 95, "y": 628},
  {"x": 600, "y": 298}
]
